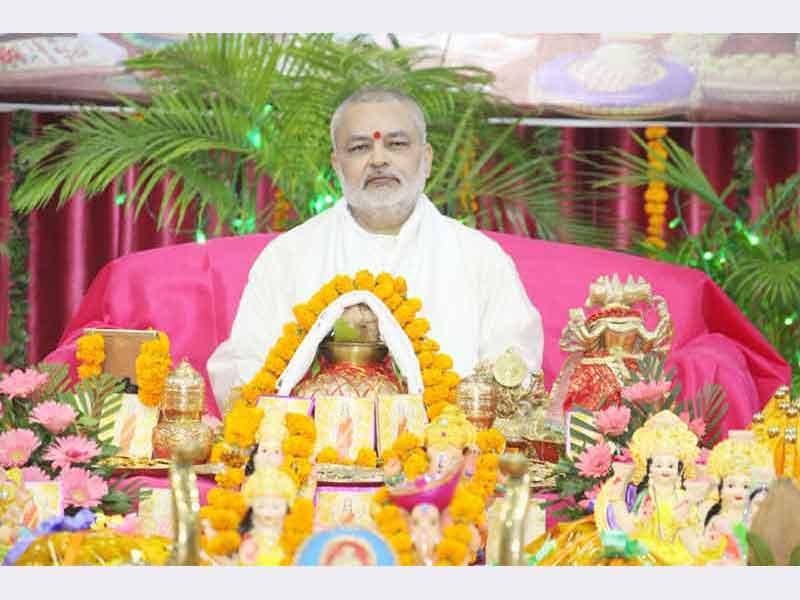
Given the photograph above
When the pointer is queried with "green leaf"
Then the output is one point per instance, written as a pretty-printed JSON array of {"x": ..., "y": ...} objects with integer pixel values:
[
  {"x": 344, "y": 332},
  {"x": 794, "y": 557}
]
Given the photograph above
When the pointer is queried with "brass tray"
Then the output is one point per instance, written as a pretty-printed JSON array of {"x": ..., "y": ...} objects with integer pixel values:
[
  {"x": 347, "y": 474},
  {"x": 155, "y": 466}
]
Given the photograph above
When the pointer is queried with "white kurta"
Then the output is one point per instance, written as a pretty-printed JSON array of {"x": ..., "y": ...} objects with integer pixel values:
[{"x": 470, "y": 290}]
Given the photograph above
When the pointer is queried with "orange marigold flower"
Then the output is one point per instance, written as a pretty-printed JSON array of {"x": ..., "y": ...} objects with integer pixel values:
[
  {"x": 301, "y": 425},
  {"x": 491, "y": 441},
  {"x": 426, "y": 359},
  {"x": 450, "y": 379},
  {"x": 488, "y": 462},
  {"x": 343, "y": 284},
  {"x": 381, "y": 496},
  {"x": 451, "y": 552},
  {"x": 406, "y": 559},
  {"x": 442, "y": 362},
  {"x": 265, "y": 382},
  {"x": 297, "y": 445},
  {"x": 316, "y": 304},
  {"x": 394, "y": 301},
  {"x": 275, "y": 363},
  {"x": 400, "y": 285},
  {"x": 436, "y": 409},
  {"x": 328, "y": 455},
  {"x": 230, "y": 478},
  {"x": 653, "y": 133},
  {"x": 87, "y": 371},
  {"x": 388, "y": 455},
  {"x": 367, "y": 458},
  {"x": 388, "y": 514},
  {"x": 415, "y": 465},
  {"x": 329, "y": 292},
  {"x": 305, "y": 316},
  {"x": 431, "y": 376},
  {"x": 284, "y": 348},
  {"x": 405, "y": 443},
  {"x": 430, "y": 345},
  {"x": 417, "y": 328},
  {"x": 384, "y": 291},
  {"x": 404, "y": 314},
  {"x": 365, "y": 280},
  {"x": 459, "y": 533},
  {"x": 224, "y": 543},
  {"x": 656, "y": 195},
  {"x": 401, "y": 542}
]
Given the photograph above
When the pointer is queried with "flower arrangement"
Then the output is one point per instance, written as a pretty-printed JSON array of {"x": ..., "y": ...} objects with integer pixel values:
[
  {"x": 656, "y": 196},
  {"x": 600, "y": 438},
  {"x": 52, "y": 431},
  {"x": 437, "y": 374},
  {"x": 221, "y": 517},
  {"x": 393, "y": 526},
  {"x": 90, "y": 355},
  {"x": 152, "y": 367},
  {"x": 298, "y": 446},
  {"x": 366, "y": 457}
]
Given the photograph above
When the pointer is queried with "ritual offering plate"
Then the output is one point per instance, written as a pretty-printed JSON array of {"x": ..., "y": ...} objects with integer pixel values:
[
  {"x": 614, "y": 81},
  {"x": 347, "y": 474},
  {"x": 153, "y": 466},
  {"x": 346, "y": 547}
]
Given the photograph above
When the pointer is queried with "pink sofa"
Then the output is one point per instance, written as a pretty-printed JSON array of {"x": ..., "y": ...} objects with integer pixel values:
[{"x": 192, "y": 291}]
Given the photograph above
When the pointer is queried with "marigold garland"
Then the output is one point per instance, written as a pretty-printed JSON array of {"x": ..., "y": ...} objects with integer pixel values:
[
  {"x": 393, "y": 526},
  {"x": 656, "y": 195},
  {"x": 438, "y": 377},
  {"x": 152, "y": 367},
  {"x": 90, "y": 355}
]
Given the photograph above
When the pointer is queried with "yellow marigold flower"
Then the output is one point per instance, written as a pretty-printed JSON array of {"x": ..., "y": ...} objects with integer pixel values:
[
  {"x": 653, "y": 133},
  {"x": 328, "y": 455},
  {"x": 388, "y": 454},
  {"x": 275, "y": 363},
  {"x": 88, "y": 370},
  {"x": 394, "y": 301},
  {"x": 384, "y": 291},
  {"x": 488, "y": 462},
  {"x": 658, "y": 149},
  {"x": 301, "y": 425},
  {"x": 425, "y": 359},
  {"x": 400, "y": 285},
  {"x": 230, "y": 478},
  {"x": 381, "y": 496},
  {"x": 430, "y": 345},
  {"x": 657, "y": 165},
  {"x": 305, "y": 317},
  {"x": 91, "y": 343},
  {"x": 384, "y": 277},
  {"x": 417, "y": 328},
  {"x": 387, "y": 514},
  {"x": 365, "y": 280},
  {"x": 442, "y": 362},
  {"x": 656, "y": 195},
  {"x": 436, "y": 409},
  {"x": 458, "y": 533},
  {"x": 265, "y": 382},
  {"x": 223, "y": 518},
  {"x": 217, "y": 452},
  {"x": 297, "y": 445},
  {"x": 491, "y": 441},
  {"x": 224, "y": 543},
  {"x": 343, "y": 284},
  {"x": 415, "y": 465},
  {"x": 250, "y": 393},
  {"x": 401, "y": 542},
  {"x": 316, "y": 304},
  {"x": 431, "y": 376},
  {"x": 657, "y": 220},
  {"x": 450, "y": 379},
  {"x": 405, "y": 443},
  {"x": 284, "y": 348},
  {"x": 451, "y": 552},
  {"x": 403, "y": 315},
  {"x": 415, "y": 304},
  {"x": 291, "y": 330},
  {"x": 465, "y": 506},
  {"x": 367, "y": 458},
  {"x": 329, "y": 292},
  {"x": 406, "y": 559}
]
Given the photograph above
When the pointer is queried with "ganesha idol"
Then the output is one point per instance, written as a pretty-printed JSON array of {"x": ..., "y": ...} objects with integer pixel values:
[{"x": 606, "y": 346}]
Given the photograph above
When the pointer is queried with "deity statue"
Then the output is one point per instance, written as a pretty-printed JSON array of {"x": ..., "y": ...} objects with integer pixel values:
[
  {"x": 17, "y": 509},
  {"x": 732, "y": 463},
  {"x": 605, "y": 347},
  {"x": 269, "y": 494},
  {"x": 446, "y": 440},
  {"x": 426, "y": 532},
  {"x": 268, "y": 452}
]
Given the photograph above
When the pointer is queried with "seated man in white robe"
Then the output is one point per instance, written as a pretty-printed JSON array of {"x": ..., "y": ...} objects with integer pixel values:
[{"x": 471, "y": 292}]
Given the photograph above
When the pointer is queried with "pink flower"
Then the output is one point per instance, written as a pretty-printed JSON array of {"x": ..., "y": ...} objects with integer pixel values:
[
  {"x": 696, "y": 426},
  {"x": 624, "y": 456},
  {"x": 647, "y": 392},
  {"x": 70, "y": 450},
  {"x": 16, "y": 447},
  {"x": 702, "y": 459},
  {"x": 594, "y": 461},
  {"x": 81, "y": 488},
  {"x": 213, "y": 423},
  {"x": 21, "y": 383},
  {"x": 131, "y": 525},
  {"x": 34, "y": 475},
  {"x": 53, "y": 416},
  {"x": 613, "y": 420}
]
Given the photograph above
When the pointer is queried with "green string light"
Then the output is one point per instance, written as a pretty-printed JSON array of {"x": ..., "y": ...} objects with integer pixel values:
[
  {"x": 200, "y": 236},
  {"x": 707, "y": 255},
  {"x": 790, "y": 319},
  {"x": 254, "y": 137},
  {"x": 675, "y": 222},
  {"x": 753, "y": 239},
  {"x": 119, "y": 199}
]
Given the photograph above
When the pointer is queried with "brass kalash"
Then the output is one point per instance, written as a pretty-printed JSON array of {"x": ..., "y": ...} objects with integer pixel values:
[{"x": 352, "y": 362}]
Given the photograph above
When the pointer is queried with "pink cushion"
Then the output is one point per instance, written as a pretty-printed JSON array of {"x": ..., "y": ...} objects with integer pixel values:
[{"x": 191, "y": 291}]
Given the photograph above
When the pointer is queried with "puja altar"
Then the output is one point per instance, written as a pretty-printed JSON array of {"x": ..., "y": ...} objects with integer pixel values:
[{"x": 357, "y": 443}]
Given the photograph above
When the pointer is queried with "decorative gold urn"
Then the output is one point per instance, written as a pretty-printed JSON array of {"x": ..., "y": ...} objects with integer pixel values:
[
  {"x": 477, "y": 397},
  {"x": 354, "y": 369},
  {"x": 180, "y": 422}
]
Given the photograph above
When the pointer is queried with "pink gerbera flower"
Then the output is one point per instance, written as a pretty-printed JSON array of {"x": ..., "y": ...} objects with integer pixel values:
[
  {"x": 34, "y": 475},
  {"x": 594, "y": 461},
  {"x": 647, "y": 392},
  {"x": 19, "y": 383},
  {"x": 70, "y": 450},
  {"x": 613, "y": 420},
  {"x": 81, "y": 488},
  {"x": 54, "y": 416},
  {"x": 16, "y": 447},
  {"x": 696, "y": 426}
]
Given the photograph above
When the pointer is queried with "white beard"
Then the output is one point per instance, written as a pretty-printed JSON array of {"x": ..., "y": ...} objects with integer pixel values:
[{"x": 385, "y": 207}]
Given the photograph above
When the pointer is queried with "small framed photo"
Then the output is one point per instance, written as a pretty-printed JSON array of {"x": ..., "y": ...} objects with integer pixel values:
[
  {"x": 399, "y": 414},
  {"x": 155, "y": 511},
  {"x": 121, "y": 349},
  {"x": 343, "y": 506},
  {"x": 344, "y": 423},
  {"x": 276, "y": 407},
  {"x": 133, "y": 426},
  {"x": 48, "y": 497}
]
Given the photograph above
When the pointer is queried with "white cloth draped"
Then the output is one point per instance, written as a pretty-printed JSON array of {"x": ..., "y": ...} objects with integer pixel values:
[{"x": 470, "y": 290}]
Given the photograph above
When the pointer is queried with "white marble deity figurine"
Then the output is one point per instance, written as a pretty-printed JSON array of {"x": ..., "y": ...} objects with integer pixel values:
[
  {"x": 269, "y": 494},
  {"x": 426, "y": 532}
]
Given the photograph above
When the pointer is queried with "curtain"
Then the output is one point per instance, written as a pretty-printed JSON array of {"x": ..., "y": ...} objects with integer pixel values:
[{"x": 68, "y": 246}]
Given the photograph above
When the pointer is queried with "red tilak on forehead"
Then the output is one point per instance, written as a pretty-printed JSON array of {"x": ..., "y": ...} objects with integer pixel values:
[{"x": 376, "y": 135}]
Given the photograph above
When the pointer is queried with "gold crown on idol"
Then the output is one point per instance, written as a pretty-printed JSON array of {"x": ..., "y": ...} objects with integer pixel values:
[
  {"x": 740, "y": 454},
  {"x": 617, "y": 299},
  {"x": 450, "y": 428},
  {"x": 663, "y": 434},
  {"x": 269, "y": 481}
]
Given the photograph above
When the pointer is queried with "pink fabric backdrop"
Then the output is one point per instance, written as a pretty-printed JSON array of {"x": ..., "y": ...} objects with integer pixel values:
[
  {"x": 70, "y": 245},
  {"x": 192, "y": 291}
]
